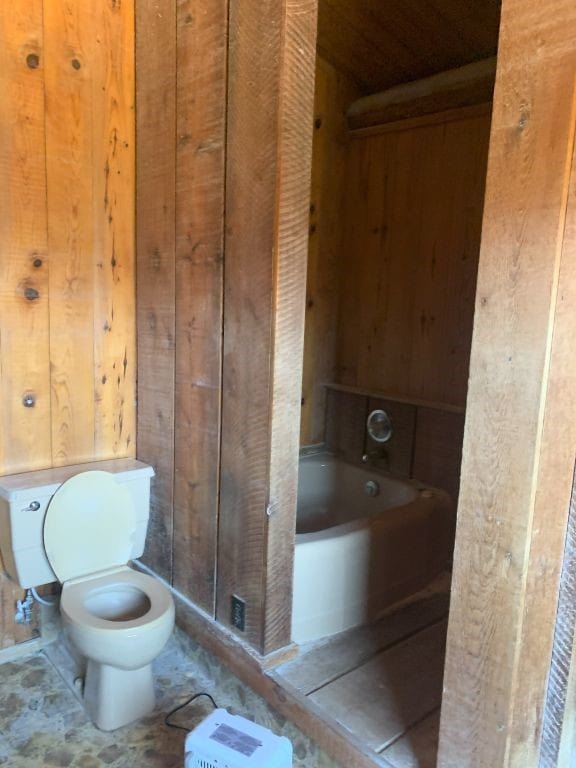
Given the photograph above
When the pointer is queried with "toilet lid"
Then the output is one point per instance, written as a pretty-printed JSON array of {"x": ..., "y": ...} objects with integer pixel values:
[{"x": 89, "y": 525}]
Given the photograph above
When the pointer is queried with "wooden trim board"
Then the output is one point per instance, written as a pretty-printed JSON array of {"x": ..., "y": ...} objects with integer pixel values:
[{"x": 396, "y": 398}]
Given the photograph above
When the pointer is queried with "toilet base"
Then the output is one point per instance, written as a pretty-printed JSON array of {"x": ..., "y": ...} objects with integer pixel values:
[{"x": 115, "y": 697}]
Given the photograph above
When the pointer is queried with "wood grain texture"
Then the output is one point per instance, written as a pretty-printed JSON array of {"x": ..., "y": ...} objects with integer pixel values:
[
  {"x": 200, "y": 175},
  {"x": 270, "y": 105},
  {"x": 381, "y": 699},
  {"x": 25, "y": 433},
  {"x": 438, "y": 439},
  {"x": 156, "y": 275},
  {"x": 381, "y": 44},
  {"x": 519, "y": 436},
  {"x": 69, "y": 35},
  {"x": 296, "y": 88},
  {"x": 418, "y": 747},
  {"x": 90, "y": 203},
  {"x": 113, "y": 159},
  {"x": 254, "y": 57},
  {"x": 329, "y": 659},
  {"x": 408, "y": 270},
  {"x": 333, "y": 94}
]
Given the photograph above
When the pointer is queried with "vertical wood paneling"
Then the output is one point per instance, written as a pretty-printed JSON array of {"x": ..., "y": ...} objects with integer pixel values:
[
  {"x": 113, "y": 153},
  {"x": 155, "y": 274},
  {"x": 200, "y": 155},
  {"x": 407, "y": 277},
  {"x": 521, "y": 420},
  {"x": 181, "y": 106},
  {"x": 333, "y": 94},
  {"x": 25, "y": 434},
  {"x": 69, "y": 35}
]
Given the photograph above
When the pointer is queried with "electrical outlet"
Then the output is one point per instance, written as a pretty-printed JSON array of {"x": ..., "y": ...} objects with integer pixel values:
[{"x": 238, "y": 613}]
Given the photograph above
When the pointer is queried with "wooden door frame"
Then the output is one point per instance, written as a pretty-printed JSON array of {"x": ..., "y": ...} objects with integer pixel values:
[
  {"x": 520, "y": 434},
  {"x": 520, "y": 426}
]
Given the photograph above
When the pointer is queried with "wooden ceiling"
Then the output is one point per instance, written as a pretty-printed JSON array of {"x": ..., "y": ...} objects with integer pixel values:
[{"x": 381, "y": 43}]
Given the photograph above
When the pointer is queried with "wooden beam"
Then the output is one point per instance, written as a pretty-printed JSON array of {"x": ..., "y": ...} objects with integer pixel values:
[
  {"x": 270, "y": 108},
  {"x": 521, "y": 415},
  {"x": 453, "y": 89}
]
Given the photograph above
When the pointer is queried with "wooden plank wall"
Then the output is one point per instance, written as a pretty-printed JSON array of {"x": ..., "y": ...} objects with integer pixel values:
[
  {"x": 520, "y": 434},
  {"x": 181, "y": 60},
  {"x": 333, "y": 94},
  {"x": 394, "y": 242},
  {"x": 67, "y": 335},
  {"x": 408, "y": 266}
]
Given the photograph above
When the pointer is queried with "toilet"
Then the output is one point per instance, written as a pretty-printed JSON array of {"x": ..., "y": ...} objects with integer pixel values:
[{"x": 81, "y": 525}]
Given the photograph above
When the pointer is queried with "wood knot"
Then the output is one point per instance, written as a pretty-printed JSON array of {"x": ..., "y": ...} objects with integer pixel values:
[
  {"x": 31, "y": 294},
  {"x": 76, "y": 64},
  {"x": 33, "y": 60}
]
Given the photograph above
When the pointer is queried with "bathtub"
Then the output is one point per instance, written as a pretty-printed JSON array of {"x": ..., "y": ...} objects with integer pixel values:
[{"x": 364, "y": 540}]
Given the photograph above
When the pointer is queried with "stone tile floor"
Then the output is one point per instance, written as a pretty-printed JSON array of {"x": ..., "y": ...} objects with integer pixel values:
[{"x": 42, "y": 722}]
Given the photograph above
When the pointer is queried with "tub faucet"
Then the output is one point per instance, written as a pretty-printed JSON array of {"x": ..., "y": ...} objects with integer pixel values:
[{"x": 375, "y": 454}]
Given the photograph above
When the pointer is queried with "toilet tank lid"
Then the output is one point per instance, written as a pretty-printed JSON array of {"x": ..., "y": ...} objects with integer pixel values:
[{"x": 45, "y": 482}]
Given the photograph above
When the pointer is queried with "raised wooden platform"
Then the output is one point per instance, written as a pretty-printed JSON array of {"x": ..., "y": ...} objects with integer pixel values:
[
  {"x": 381, "y": 683},
  {"x": 369, "y": 697}
]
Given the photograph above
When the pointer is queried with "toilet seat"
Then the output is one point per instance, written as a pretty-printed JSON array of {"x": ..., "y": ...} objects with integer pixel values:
[
  {"x": 75, "y": 594},
  {"x": 89, "y": 526}
]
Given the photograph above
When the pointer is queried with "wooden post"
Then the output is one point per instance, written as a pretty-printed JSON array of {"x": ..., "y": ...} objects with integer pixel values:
[
  {"x": 520, "y": 432},
  {"x": 270, "y": 111}
]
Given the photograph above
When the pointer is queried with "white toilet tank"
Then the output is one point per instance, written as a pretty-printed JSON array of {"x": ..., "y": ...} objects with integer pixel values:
[{"x": 24, "y": 499}]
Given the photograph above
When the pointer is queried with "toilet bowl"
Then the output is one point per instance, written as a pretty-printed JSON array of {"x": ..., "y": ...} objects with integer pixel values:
[
  {"x": 119, "y": 621},
  {"x": 115, "y": 617}
]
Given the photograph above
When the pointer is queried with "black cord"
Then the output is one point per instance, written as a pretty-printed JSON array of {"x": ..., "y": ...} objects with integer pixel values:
[{"x": 181, "y": 706}]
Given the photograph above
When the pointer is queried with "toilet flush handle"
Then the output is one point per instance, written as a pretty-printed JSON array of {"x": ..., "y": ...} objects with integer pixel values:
[{"x": 34, "y": 506}]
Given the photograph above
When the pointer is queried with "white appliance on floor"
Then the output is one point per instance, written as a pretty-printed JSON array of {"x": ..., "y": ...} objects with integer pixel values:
[
  {"x": 223, "y": 740},
  {"x": 81, "y": 525}
]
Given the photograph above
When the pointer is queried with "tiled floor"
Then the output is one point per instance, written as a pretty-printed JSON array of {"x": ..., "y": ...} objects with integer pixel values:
[{"x": 42, "y": 722}]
